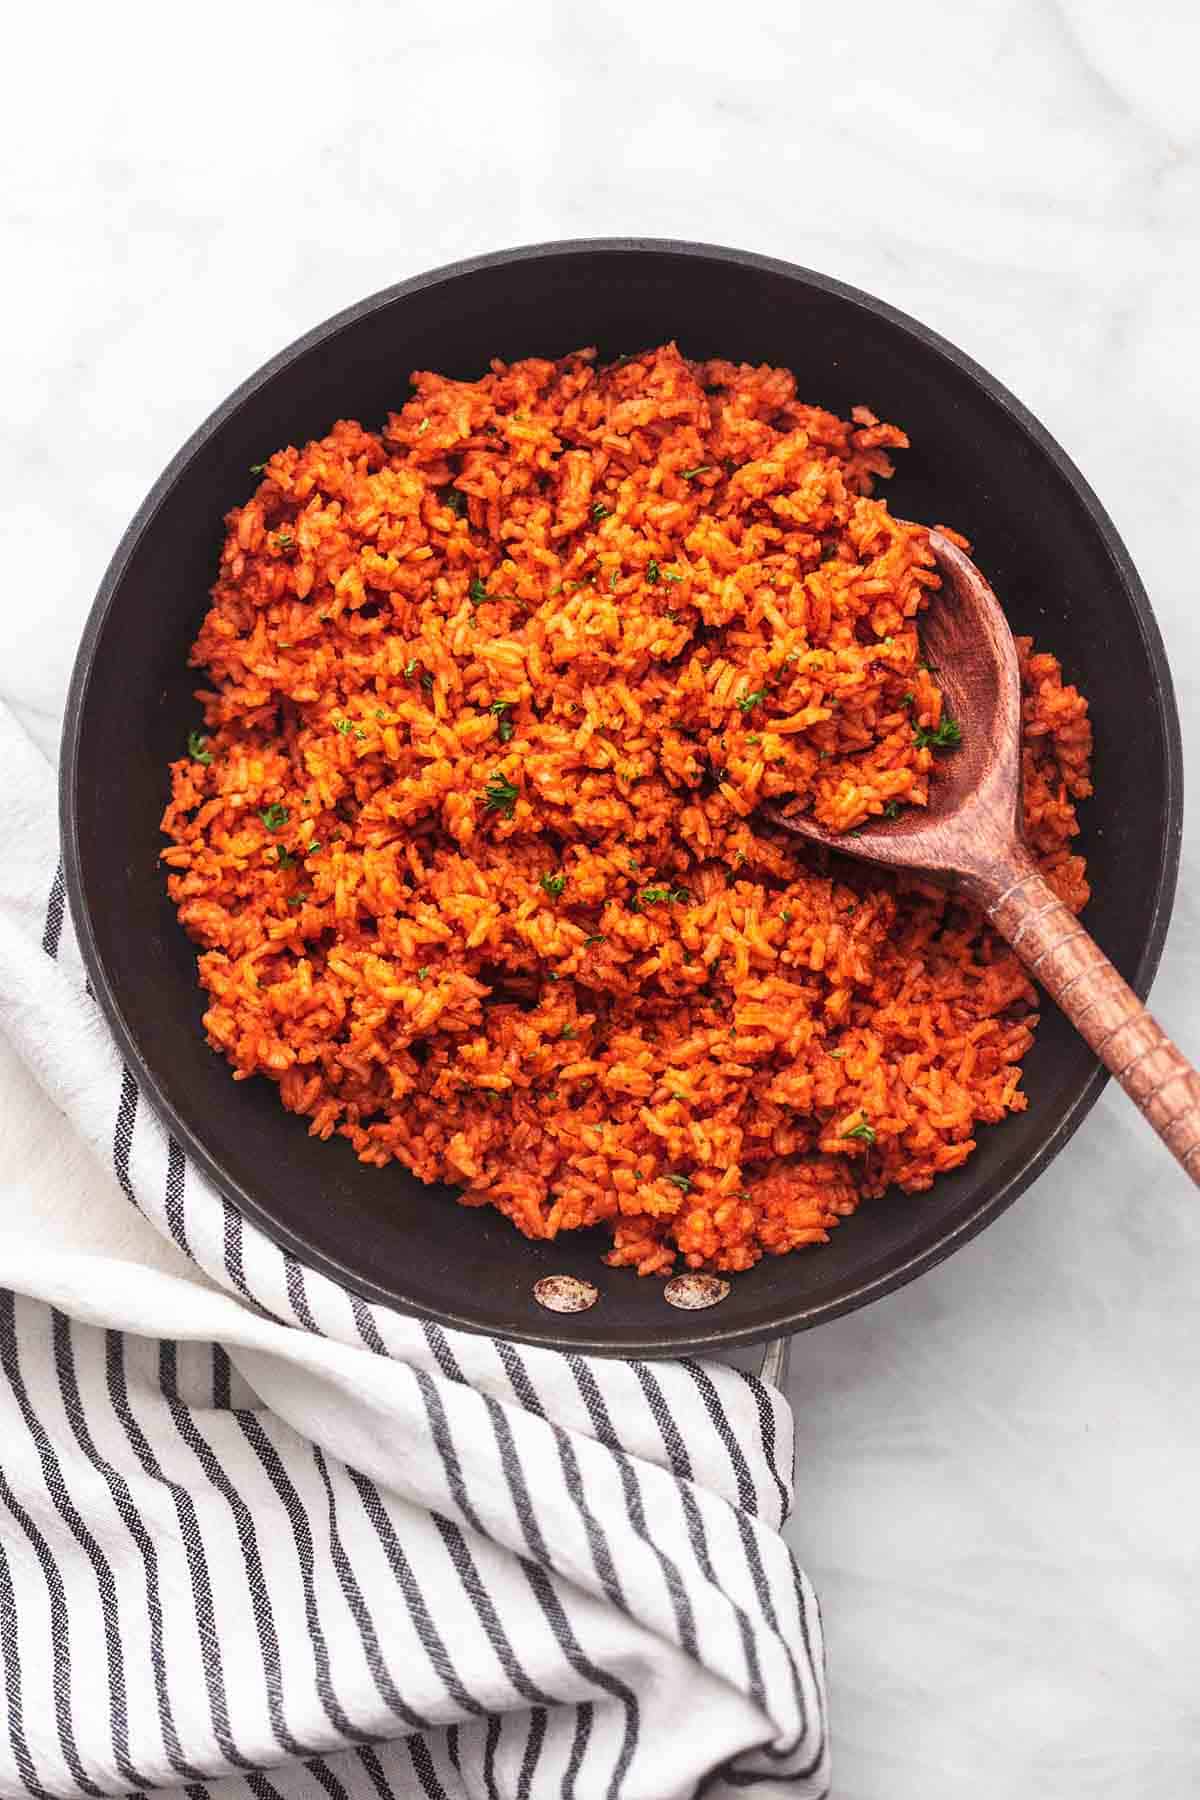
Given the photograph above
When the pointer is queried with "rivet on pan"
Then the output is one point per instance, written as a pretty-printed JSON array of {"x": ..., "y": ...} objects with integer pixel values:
[
  {"x": 695, "y": 1291},
  {"x": 565, "y": 1293}
]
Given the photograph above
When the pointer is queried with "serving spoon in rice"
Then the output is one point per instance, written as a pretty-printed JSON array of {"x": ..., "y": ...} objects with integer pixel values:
[{"x": 970, "y": 837}]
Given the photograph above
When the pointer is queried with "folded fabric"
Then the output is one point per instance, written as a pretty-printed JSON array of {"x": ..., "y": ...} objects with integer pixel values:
[{"x": 259, "y": 1535}]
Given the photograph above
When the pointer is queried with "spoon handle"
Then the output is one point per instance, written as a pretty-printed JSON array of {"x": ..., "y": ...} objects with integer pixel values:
[{"x": 1101, "y": 1005}]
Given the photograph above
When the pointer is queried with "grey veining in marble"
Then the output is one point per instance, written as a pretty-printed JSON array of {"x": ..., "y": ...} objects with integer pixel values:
[{"x": 999, "y": 1468}]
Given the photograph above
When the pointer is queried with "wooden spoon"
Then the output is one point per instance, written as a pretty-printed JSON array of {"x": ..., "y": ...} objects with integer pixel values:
[{"x": 971, "y": 837}]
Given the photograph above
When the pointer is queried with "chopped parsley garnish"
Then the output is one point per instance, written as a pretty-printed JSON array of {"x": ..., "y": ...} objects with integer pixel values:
[
  {"x": 948, "y": 736},
  {"x": 410, "y": 668},
  {"x": 344, "y": 726},
  {"x": 653, "y": 572},
  {"x": 196, "y": 750},
  {"x": 477, "y": 592},
  {"x": 907, "y": 699},
  {"x": 298, "y": 899},
  {"x": 500, "y": 796},
  {"x": 682, "y": 1182},
  {"x": 864, "y": 1131},
  {"x": 455, "y": 500},
  {"x": 312, "y": 848},
  {"x": 700, "y": 469},
  {"x": 257, "y": 468},
  {"x": 600, "y": 511},
  {"x": 892, "y": 810},
  {"x": 360, "y": 734},
  {"x": 786, "y": 915},
  {"x": 423, "y": 427},
  {"x": 663, "y": 896},
  {"x": 423, "y": 972},
  {"x": 748, "y": 702},
  {"x": 275, "y": 816},
  {"x": 505, "y": 728},
  {"x": 612, "y": 580},
  {"x": 568, "y": 1031},
  {"x": 837, "y": 1055},
  {"x": 597, "y": 937},
  {"x": 667, "y": 576},
  {"x": 427, "y": 680},
  {"x": 552, "y": 884},
  {"x": 285, "y": 858},
  {"x": 284, "y": 540}
]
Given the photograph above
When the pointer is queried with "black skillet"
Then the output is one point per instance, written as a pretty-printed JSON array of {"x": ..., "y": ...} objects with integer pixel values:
[{"x": 979, "y": 461}]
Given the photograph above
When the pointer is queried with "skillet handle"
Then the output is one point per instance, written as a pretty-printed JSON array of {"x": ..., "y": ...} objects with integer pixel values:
[
  {"x": 1101, "y": 1005},
  {"x": 776, "y": 1361}
]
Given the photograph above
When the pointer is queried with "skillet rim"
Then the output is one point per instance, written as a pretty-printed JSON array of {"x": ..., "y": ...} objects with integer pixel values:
[{"x": 694, "y": 1341}]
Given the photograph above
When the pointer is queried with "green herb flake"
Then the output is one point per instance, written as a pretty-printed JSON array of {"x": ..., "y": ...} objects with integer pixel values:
[
  {"x": 257, "y": 468},
  {"x": 505, "y": 730},
  {"x": 298, "y": 899},
  {"x": 427, "y": 680},
  {"x": 864, "y": 1131},
  {"x": 682, "y": 1182},
  {"x": 600, "y": 511},
  {"x": 455, "y": 500},
  {"x": 907, "y": 699},
  {"x": 667, "y": 576},
  {"x": 410, "y": 668},
  {"x": 786, "y": 915},
  {"x": 748, "y": 702},
  {"x": 892, "y": 810},
  {"x": 284, "y": 540},
  {"x": 423, "y": 972},
  {"x": 837, "y": 1055},
  {"x": 700, "y": 469},
  {"x": 948, "y": 736},
  {"x": 477, "y": 592},
  {"x": 343, "y": 726},
  {"x": 423, "y": 427},
  {"x": 552, "y": 884},
  {"x": 653, "y": 572},
  {"x": 196, "y": 750},
  {"x": 568, "y": 1031},
  {"x": 597, "y": 937},
  {"x": 500, "y": 796},
  {"x": 612, "y": 581},
  {"x": 313, "y": 848},
  {"x": 360, "y": 734},
  {"x": 275, "y": 816},
  {"x": 285, "y": 858}
]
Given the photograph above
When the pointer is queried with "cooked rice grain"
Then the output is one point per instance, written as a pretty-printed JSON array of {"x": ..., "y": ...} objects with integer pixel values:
[{"x": 474, "y": 863}]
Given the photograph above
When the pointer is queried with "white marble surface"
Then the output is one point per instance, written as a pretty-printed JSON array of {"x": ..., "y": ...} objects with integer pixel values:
[{"x": 999, "y": 1487}]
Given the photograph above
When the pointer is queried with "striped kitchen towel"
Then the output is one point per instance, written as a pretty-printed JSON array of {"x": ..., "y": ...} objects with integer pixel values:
[{"x": 260, "y": 1537}]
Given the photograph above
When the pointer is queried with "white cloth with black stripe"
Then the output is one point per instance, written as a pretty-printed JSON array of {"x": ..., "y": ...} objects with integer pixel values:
[{"x": 256, "y": 1534}]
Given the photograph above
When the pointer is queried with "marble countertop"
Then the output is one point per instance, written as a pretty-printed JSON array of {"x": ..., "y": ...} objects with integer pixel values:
[{"x": 999, "y": 1467}]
